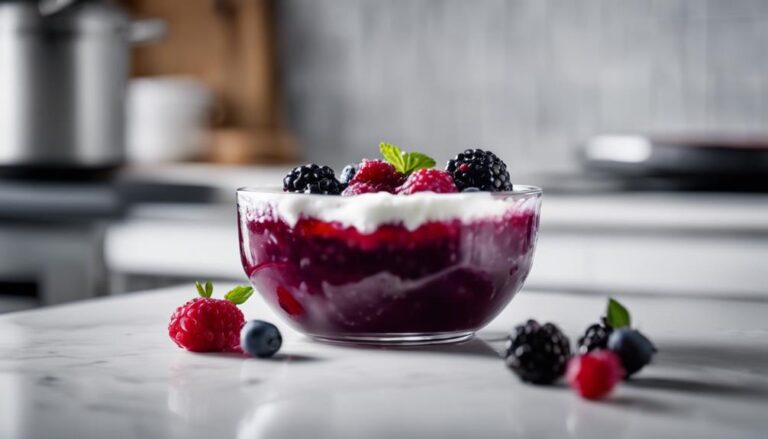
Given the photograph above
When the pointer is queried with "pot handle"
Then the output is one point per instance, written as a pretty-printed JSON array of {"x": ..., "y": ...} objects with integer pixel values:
[{"x": 147, "y": 30}]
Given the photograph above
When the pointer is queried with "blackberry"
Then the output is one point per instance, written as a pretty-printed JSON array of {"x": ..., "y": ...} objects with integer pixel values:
[
  {"x": 347, "y": 173},
  {"x": 594, "y": 338},
  {"x": 312, "y": 179},
  {"x": 538, "y": 353},
  {"x": 479, "y": 169}
]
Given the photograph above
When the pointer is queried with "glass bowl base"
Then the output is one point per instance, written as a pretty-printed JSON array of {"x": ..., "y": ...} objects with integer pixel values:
[{"x": 397, "y": 339}]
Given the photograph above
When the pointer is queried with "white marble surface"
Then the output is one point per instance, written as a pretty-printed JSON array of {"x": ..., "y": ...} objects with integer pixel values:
[{"x": 106, "y": 368}]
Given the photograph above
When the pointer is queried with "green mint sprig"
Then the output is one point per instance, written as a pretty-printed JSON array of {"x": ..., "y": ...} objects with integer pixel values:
[
  {"x": 616, "y": 315},
  {"x": 237, "y": 295},
  {"x": 405, "y": 162}
]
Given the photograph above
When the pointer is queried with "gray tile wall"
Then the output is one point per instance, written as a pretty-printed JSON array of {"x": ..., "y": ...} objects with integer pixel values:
[{"x": 527, "y": 78}]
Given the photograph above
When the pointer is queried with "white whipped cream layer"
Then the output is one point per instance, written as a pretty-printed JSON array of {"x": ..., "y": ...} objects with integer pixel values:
[{"x": 366, "y": 212}]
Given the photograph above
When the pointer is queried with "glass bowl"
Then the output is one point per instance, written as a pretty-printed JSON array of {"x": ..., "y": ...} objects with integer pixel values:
[{"x": 388, "y": 269}]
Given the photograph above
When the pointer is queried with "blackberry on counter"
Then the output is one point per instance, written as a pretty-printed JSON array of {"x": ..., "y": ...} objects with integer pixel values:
[
  {"x": 594, "y": 338},
  {"x": 479, "y": 169},
  {"x": 347, "y": 173},
  {"x": 538, "y": 353},
  {"x": 312, "y": 179}
]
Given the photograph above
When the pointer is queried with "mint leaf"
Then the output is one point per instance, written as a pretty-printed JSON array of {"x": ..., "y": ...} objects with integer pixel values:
[
  {"x": 204, "y": 291},
  {"x": 616, "y": 315},
  {"x": 417, "y": 160},
  {"x": 405, "y": 162},
  {"x": 239, "y": 294},
  {"x": 393, "y": 155}
]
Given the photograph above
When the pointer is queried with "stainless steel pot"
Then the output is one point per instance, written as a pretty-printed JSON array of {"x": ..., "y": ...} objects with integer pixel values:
[{"x": 64, "y": 69}]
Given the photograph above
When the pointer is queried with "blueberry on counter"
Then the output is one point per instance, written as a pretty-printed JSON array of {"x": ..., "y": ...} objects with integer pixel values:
[
  {"x": 632, "y": 347},
  {"x": 260, "y": 339}
]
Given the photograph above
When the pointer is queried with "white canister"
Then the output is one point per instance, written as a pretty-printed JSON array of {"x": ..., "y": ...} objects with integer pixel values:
[{"x": 168, "y": 119}]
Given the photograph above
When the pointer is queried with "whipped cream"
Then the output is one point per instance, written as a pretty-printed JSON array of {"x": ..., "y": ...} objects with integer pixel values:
[{"x": 366, "y": 212}]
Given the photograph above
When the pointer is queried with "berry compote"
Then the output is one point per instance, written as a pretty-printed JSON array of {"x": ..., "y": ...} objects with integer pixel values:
[{"x": 401, "y": 270}]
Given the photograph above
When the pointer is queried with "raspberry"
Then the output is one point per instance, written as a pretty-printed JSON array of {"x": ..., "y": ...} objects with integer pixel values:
[
  {"x": 207, "y": 325},
  {"x": 594, "y": 375},
  {"x": 425, "y": 180},
  {"x": 378, "y": 173},
  {"x": 204, "y": 324},
  {"x": 365, "y": 188},
  {"x": 538, "y": 353}
]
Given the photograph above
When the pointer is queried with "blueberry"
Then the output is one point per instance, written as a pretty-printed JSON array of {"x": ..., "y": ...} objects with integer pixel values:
[
  {"x": 347, "y": 173},
  {"x": 470, "y": 189},
  {"x": 260, "y": 339},
  {"x": 632, "y": 347}
]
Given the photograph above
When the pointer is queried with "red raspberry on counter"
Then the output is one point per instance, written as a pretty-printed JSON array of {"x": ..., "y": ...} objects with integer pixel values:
[
  {"x": 424, "y": 180},
  {"x": 595, "y": 374},
  {"x": 205, "y": 324},
  {"x": 378, "y": 173}
]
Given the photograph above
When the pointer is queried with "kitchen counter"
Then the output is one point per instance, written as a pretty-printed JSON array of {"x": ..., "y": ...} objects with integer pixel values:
[{"x": 106, "y": 368}]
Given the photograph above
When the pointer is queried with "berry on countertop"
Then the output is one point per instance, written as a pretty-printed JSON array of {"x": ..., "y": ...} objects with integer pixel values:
[
  {"x": 423, "y": 180},
  {"x": 378, "y": 173},
  {"x": 347, "y": 173},
  {"x": 537, "y": 353},
  {"x": 480, "y": 169},
  {"x": 204, "y": 324},
  {"x": 260, "y": 339},
  {"x": 312, "y": 179},
  {"x": 594, "y": 338},
  {"x": 633, "y": 349},
  {"x": 595, "y": 374}
]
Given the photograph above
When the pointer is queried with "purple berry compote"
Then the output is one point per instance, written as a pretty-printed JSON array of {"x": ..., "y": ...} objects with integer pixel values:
[{"x": 383, "y": 268}]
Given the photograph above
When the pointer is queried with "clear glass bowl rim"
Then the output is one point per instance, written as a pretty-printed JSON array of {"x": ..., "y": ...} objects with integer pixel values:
[{"x": 518, "y": 191}]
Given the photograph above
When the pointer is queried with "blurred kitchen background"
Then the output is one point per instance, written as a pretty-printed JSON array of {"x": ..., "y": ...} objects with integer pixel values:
[{"x": 126, "y": 126}]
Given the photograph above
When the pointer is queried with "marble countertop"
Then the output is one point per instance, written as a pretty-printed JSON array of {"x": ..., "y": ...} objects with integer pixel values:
[{"x": 106, "y": 368}]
